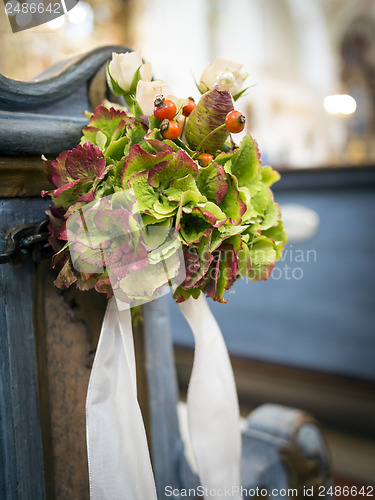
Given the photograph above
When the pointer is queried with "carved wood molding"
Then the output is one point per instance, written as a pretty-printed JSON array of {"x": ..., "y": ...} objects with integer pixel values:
[
  {"x": 46, "y": 115},
  {"x": 57, "y": 83}
]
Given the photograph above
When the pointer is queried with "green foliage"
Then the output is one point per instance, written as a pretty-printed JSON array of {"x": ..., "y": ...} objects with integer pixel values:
[{"x": 224, "y": 214}]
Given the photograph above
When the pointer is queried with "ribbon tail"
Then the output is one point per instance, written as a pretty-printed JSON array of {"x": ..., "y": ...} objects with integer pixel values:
[
  {"x": 213, "y": 411},
  {"x": 118, "y": 455}
]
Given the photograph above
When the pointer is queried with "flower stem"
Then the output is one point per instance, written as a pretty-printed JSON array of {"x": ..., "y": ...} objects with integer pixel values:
[
  {"x": 134, "y": 107},
  {"x": 205, "y": 138},
  {"x": 183, "y": 128}
]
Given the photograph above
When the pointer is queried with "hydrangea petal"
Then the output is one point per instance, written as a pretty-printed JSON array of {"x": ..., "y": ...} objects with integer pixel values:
[
  {"x": 107, "y": 120},
  {"x": 212, "y": 182},
  {"x": 57, "y": 170},
  {"x": 85, "y": 161},
  {"x": 263, "y": 257},
  {"x": 232, "y": 204},
  {"x": 139, "y": 160},
  {"x": 179, "y": 165}
]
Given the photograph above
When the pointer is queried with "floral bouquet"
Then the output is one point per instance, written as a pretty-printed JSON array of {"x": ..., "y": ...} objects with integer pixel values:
[
  {"x": 158, "y": 193},
  {"x": 160, "y": 185}
]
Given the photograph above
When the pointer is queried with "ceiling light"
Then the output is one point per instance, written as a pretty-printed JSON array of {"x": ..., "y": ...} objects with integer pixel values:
[{"x": 340, "y": 104}]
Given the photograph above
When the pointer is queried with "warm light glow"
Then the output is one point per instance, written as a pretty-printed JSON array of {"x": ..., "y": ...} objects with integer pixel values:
[
  {"x": 77, "y": 15},
  {"x": 57, "y": 23},
  {"x": 340, "y": 104}
]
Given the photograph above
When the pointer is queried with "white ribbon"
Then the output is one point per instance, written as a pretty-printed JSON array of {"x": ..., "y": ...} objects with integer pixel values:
[
  {"x": 118, "y": 455},
  {"x": 213, "y": 412}
]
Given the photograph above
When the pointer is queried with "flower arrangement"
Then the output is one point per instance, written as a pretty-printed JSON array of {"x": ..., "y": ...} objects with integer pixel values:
[{"x": 164, "y": 166}]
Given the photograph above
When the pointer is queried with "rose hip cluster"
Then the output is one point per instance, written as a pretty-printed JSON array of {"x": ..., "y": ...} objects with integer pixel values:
[{"x": 165, "y": 111}]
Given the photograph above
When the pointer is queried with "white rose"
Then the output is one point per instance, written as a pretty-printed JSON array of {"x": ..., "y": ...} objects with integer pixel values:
[
  {"x": 211, "y": 72},
  {"x": 147, "y": 92},
  {"x": 123, "y": 67}
]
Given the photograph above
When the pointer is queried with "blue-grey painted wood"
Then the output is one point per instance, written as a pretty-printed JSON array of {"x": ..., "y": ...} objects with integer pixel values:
[
  {"x": 46, "y": 116},
  {"x": 283, "y": 449},
  {"x": 18, "y": 131},
  {"x": 21, "y": 457},
  {"x": 59, "y": 82}
]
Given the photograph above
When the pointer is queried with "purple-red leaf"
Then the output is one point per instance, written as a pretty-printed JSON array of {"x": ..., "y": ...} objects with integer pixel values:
[{"x": 85, "y": 161}]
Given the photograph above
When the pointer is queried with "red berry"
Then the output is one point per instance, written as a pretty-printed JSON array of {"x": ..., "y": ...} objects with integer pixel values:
[
  {"x": 170, "y": 129},
  {"x": 204, "y": 159},
  {"x": 164, "y": 109},
  {"x": 186, "y": 110},
  {"x": 235, "y": 121}
]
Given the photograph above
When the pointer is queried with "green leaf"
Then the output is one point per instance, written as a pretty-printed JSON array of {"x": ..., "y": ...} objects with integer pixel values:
[
  {"x": 193, "y": 226},
  {"x": 165, "y": 207},
  {"x": 245, "y": 161},
  {"x": 136, "y": 133},
  {"x": 178, "y": 165},
  {"x": 87, "y": 114},
  {"x": 155, "y": 236},
  {"x": 66, "y": 198},
  {"x": 278, "y": 236},
  {"x": 116, "y": 149},
  {"x": 227, "y": 271},
  {"x": 145, "y": 194},
  {"x": 242, "y": 92},
  {"x": 271, "y": 216},
  {"x": 222, "y": 233},
  {"x": 198, "y": 87},
  {"x": 149, "y": 220},
  {"x": 173, "y": 144},
  {"x": 263, "y": 256},
  {"x": 154, "y": 134},
  {"x": 154, "y": 123},
  {"x": 90, "y": 134},
  {"x": 212, "y": 182},
  {"x": 244, "y": 260},
  {"x": 139, "y": 160},
  {"x": 269, "y": 176},
  {"x": 232, "y": 204},
  {"x": 181, "y": 294},
  {"x": 261, "y": 198},
  {"x": 223, "y": 157},
  {"x": 100, "y": 140},
  {"x": 178, "y": 186},
  {"x": 190, "y": 199},
  {"x": 106, "y": 120},
  {"x": 213, "y": 209},
  {"x": 136, "y": 78},
  {"x": 182, "y": 145}
]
